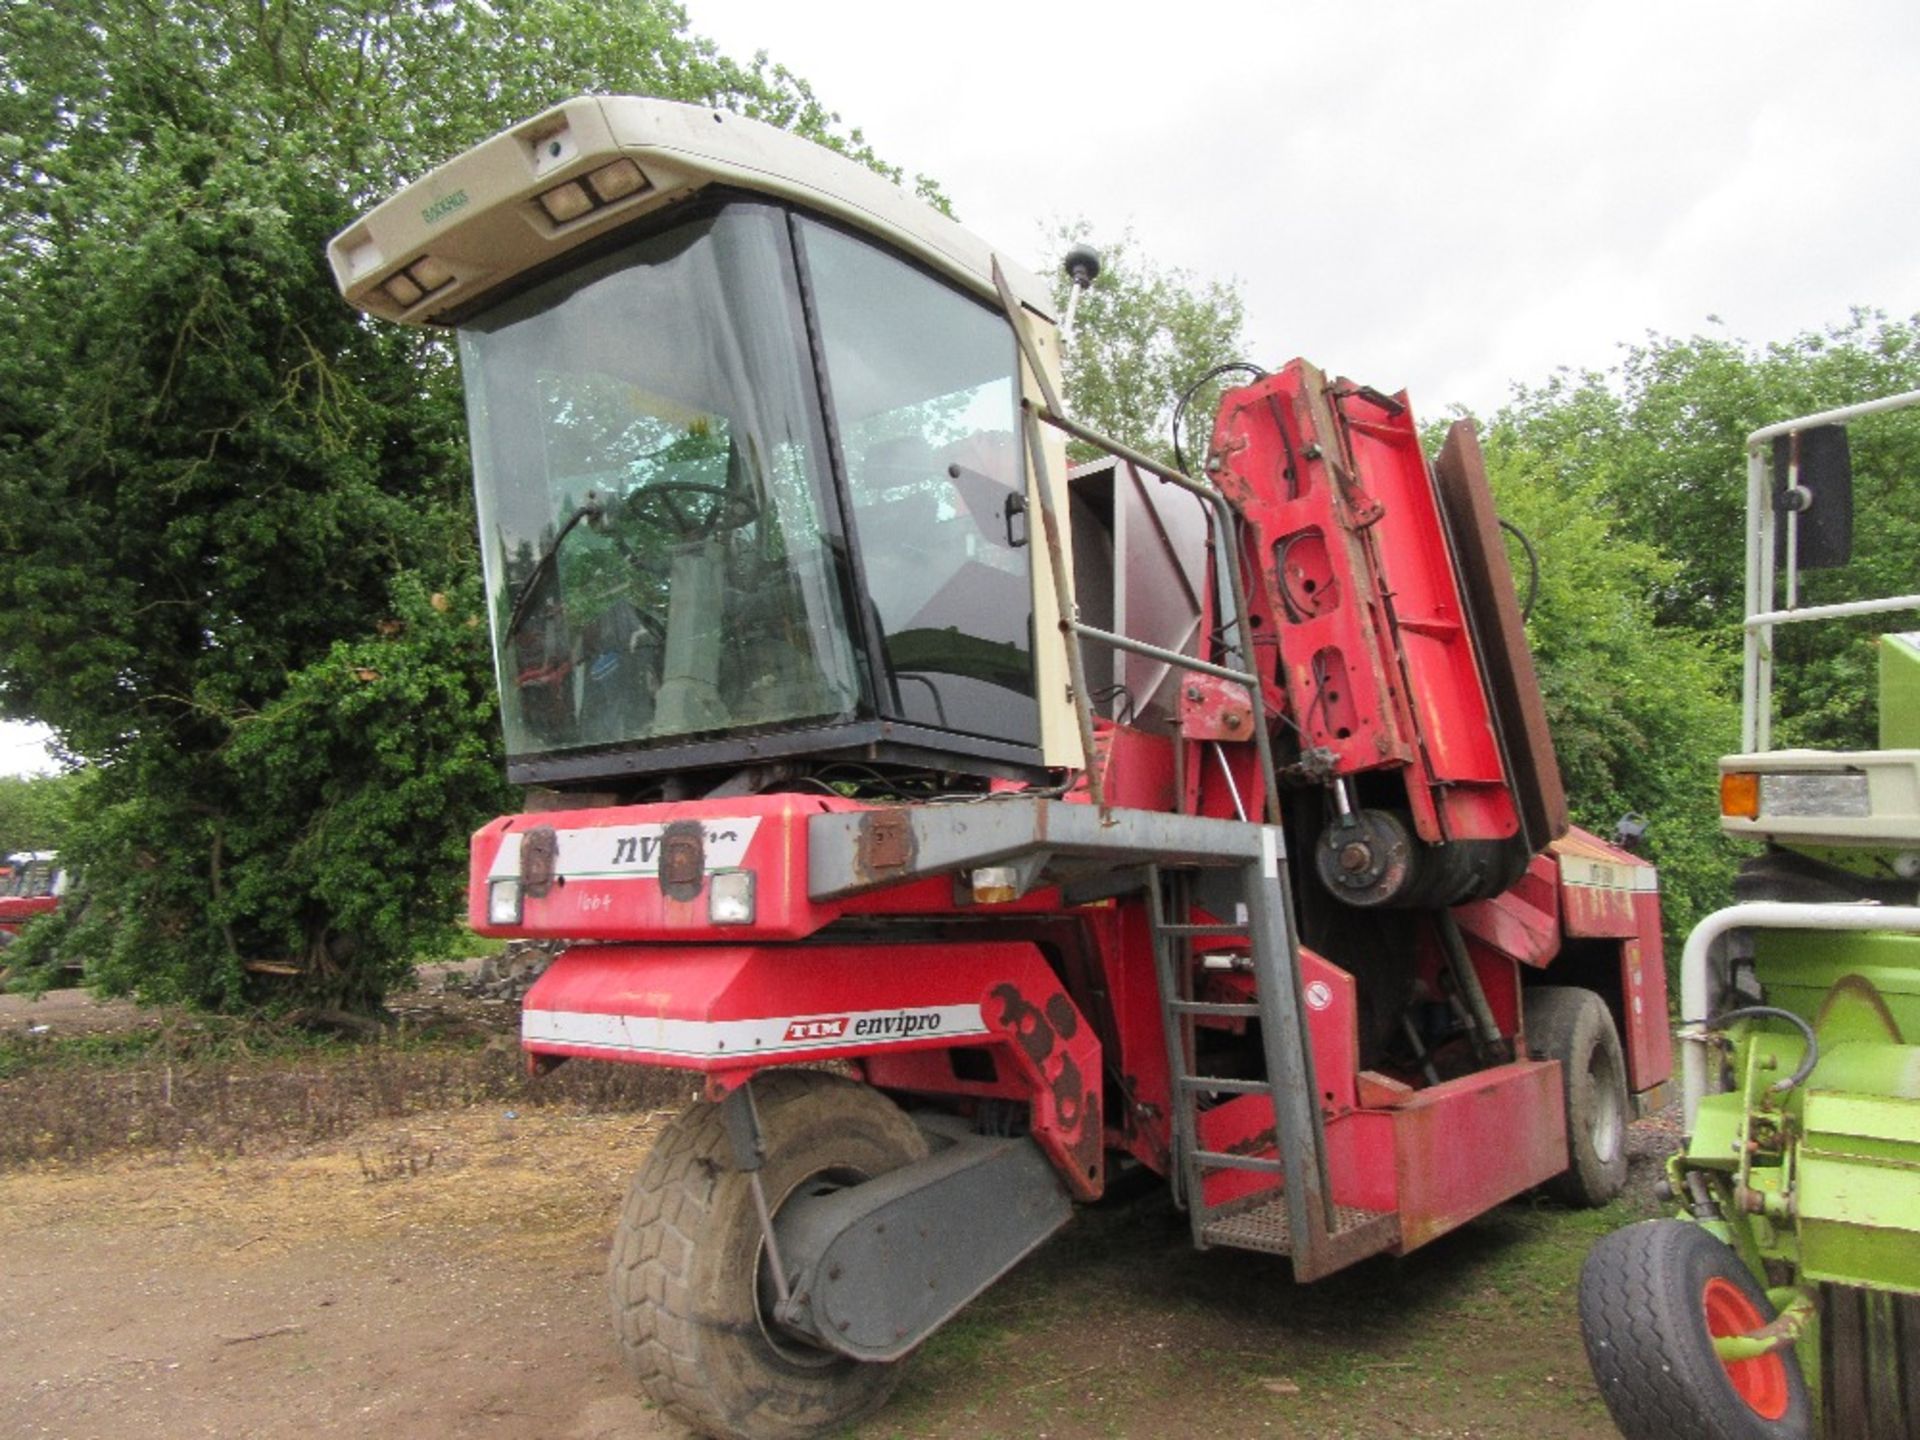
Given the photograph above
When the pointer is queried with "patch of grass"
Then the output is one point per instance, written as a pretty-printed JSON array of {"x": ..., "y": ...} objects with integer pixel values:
[
  {"x": 86, "y": 1096},
  {"x": 210, "y": 1039}
]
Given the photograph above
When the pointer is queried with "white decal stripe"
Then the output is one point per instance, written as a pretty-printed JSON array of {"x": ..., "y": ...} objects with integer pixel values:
[
  {"x": 1602, "y": 876},
  {"x": 718, "y": 1039}
]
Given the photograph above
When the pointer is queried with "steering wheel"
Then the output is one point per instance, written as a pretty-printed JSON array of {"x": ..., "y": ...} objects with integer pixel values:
[{"x": 690, "y": 509}]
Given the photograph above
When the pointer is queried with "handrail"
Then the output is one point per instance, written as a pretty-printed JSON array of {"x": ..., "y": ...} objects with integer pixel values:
[
  {"x": 1052, "y": 412},
  {"x": 1762, "y": 613}
]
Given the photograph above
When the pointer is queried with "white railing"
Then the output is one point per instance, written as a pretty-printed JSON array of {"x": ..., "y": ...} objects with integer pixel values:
[{"x": 1763, "y": 612}]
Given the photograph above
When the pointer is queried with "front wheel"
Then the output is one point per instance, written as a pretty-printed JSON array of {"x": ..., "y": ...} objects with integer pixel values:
[
  {"x": 690, "y": 1289},
  {"x": 1653, "y": 1297}
]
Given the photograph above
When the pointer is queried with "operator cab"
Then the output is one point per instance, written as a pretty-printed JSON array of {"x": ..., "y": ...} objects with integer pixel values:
[
  {"x": 32, "y": 875},
  {"x": 748, "y": 461}
]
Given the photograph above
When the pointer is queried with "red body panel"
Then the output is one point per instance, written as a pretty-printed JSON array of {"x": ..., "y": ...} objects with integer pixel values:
[
  {"x": 1444, "y": 1155},
  {"x": 1378, "y": 659},
  {"x": 1459, "y": 1148},
  {"x": 17, "y": 911},
  {"x": 1608, "y": 894},
  {"x": 730, "y": 1010},
  {"x": 1364, "y": 649},
  {"x": 1523, "y": 922},
  {"x": 606, "y": 869}
]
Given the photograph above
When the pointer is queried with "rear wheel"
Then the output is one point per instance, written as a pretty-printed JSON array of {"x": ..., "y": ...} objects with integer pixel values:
[
  {"x": 1574, "y": 1026},
  {"x": 688, "y": 1279},
  {"x": 1652, "y": 1299}
]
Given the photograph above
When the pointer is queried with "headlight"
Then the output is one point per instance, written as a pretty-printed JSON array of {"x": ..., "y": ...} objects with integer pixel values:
[
  {"x": 503, "y": 902},
  {"x": 730, "y": 898}
]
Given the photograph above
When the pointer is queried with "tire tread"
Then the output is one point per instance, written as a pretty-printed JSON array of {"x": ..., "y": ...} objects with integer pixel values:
[
  {"x": 650, "y": 1275},
  {"x": 1647, "y": 1360}
]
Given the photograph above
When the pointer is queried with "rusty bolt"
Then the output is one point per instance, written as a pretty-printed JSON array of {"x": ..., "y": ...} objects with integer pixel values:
[
  {"x": 1355, "y": 856},
  {"x": 1193, "y": 693},
  {"x": 1233, "y": 720}
]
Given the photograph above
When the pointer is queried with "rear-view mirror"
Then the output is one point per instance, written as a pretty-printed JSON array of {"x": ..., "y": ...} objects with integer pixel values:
[{"x": 1813, "y": 480}]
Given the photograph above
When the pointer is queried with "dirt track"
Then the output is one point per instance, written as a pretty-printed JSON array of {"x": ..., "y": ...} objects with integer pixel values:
[{"x": 440, "y": 1276}]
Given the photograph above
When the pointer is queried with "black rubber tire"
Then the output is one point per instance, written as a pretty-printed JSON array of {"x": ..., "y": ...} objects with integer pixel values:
[
  {"x": 1647, "y": 1340},
  {"x": 1574, "y": 1026},
  {"x": 686, "y": 1261}
]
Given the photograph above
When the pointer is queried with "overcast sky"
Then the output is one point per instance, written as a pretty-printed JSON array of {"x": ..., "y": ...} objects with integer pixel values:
[{"x": 1447, "y": 198}]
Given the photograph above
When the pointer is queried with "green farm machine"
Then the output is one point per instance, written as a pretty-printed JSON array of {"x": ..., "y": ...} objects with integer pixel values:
[{"x": 1784, "y": 1301}]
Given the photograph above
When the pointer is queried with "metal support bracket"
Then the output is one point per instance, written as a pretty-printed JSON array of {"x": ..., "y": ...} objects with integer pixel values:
[{"x": 742, "y": 1120}]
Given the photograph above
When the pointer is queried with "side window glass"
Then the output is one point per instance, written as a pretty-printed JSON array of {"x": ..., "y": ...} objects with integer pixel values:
[{"x": 922, "y": 382}]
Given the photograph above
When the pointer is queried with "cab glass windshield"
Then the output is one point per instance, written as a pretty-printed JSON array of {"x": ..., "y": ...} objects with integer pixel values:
[
  {"x": 654, "y": 501},
  {"x": 670, "y": 557}
]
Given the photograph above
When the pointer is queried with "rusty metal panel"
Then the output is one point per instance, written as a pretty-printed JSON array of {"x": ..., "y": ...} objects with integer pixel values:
[
  {"x": 1598, "y": 886},
  {"x": 1643, "y": 988},
  {"x": 1486, "y": 583},
  {"x": 1463, "y": 1146},
  {"x": 1358, "y": 581},
  {"x": 1215, "y": 709},
  {"x": 885, "y": 843}
]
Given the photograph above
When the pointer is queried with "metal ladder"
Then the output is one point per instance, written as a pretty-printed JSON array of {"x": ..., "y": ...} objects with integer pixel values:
[{"x": 1295, "y": 1215}]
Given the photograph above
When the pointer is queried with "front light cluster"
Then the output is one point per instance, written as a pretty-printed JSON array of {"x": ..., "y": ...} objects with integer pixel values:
[
  {"x": 730, "y": 898},
  {"x": 503, "y": 902},
  {"x": 408, "y": 287},
  {"x": 1812, "y": 794},
  {"x": 567, "y": 203}
]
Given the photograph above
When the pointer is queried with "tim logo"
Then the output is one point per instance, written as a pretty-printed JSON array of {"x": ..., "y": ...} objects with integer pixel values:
[{"x": 817, "y": 1029}]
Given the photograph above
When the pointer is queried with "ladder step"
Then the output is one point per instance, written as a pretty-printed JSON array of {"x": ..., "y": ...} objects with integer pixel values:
[
  {"x": 1220, "y": 1085},
  {"x": 1221, "y": 1160},
  {"x": 1215, "y": 1007},
  {"x": 1266, "y": 1226}
]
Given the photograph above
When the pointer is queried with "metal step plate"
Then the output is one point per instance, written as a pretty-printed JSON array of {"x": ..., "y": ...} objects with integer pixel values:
[{"x": 1265, "y": 1227}]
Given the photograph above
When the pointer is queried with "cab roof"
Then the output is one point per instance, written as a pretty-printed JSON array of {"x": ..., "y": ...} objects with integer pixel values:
[{"x": 489, "y": 214}]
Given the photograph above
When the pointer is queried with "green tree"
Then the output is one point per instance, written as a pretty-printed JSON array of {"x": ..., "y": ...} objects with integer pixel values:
[
  {"x": 1633, "y": 484},
  {"x": 224, "y": 495},
  {"x": 1640, "y": 712},
  {"x": 36, "y": 810},
  {"x": 1658, "y": 443},
  {"x": 1143, "y": 336}
]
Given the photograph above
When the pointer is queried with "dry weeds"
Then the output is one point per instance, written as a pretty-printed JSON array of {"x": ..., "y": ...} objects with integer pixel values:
[{"x": 226, "y": 1093}]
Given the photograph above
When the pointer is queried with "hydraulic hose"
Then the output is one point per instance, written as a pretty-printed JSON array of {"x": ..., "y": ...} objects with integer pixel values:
[{"x": 1774, "y": 1012}]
